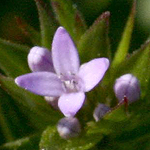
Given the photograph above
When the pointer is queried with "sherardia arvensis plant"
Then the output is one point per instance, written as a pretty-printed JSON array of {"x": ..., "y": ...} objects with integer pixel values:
[{"x": 69, "y": 81}]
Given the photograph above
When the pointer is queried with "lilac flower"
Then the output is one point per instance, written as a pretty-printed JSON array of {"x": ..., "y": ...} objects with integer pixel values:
[
  {"x": 70, "y": 82},
  {"x": 68, "y": 127},
  {"x": 128, "y": 86},
  {"x": 100, "y": 111},
  {"x": 53, "y": 101},
  {"x": 39, "y": 59}
]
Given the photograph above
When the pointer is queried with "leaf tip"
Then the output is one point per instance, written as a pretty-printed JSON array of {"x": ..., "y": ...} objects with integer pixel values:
[{"x": 104, "y": 16}]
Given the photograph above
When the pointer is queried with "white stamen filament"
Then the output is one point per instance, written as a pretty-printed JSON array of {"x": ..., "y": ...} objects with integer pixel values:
[{"x": 70, "y": 86}]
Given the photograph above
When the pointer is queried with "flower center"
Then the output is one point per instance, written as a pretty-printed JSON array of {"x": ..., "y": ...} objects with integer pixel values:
[{"x": 70, "y": 83}]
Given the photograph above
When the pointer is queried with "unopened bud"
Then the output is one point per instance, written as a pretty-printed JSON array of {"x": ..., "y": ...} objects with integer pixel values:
[
  {"x": 100, "y": 111},
  {"x": 53, "y": 101},
  {"x": 39, "y": 59},
  {"x": 68, "y": 127},
  {"x": 127, "y": 86}
]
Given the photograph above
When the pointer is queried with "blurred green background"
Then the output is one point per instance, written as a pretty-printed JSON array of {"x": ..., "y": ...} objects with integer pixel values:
[{"x": 90, "y": 9}]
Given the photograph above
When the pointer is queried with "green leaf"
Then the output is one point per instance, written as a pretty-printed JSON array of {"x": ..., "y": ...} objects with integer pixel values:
[
  {"x": 35, "y": 107},
  {"x": 69, "y": 17},
  {"x": 117, "y": 114},
  {"x": 28, "y": 31},
  {"x": 117, "y": 130},
  {"x": 27, "y": 143},
  {"x": 51, "y": 140},
  {"x": 14, "y": 123},
  {"x": 123, "y": 47},
  {"x": 4, "y": 125},
  {"x": 95, "y": 42},
  {"x": 13, "y": 58},
  {"x": 47, "y": 24},
  {"x": 134, "y": 129}
]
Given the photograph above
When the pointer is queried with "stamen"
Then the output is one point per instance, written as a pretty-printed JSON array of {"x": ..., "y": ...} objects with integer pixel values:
[{"x": 70, "y": 85}]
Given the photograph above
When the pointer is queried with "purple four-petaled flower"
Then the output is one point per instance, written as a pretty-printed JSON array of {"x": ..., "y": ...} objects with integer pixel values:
[{"x": 70, "y": 81}]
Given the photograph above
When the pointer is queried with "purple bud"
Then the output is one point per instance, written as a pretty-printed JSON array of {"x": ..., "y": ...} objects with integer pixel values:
[
  {"x": 128, "y": 86},
  {"x": 100, "y": 111},
  {"x": 53, "y": 101},
  {"x": 39, "y": 59},
  {"x": 68, "y": 127}
]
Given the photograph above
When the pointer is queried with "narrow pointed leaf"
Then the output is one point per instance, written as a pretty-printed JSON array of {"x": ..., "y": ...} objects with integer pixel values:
[
  {"x": 35, "y": 106},
  {"x": 95, "y": 41},
  {"x": 124, "y": 44},
  {"x": 13, "y": 58},
  {"x": 28, "y": 31},
  {"x": 69, "y": 17},
  {"x": 4, "y": 125},
  {"x": 51, "y": 140},
  {"x": 27, "y": 143},
  {"x": 14, "y": 122},
  {"x": 47, "y": 24}
]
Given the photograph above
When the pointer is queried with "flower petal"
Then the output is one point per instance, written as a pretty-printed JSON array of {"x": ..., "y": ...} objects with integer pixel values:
[
  {"x": 41, "y": 83},
  {"x": 92, "y": 72},
  {"x": 70, "y": 103},
  {"x": 39, "y": 59},
  {"x": 64, "y": 53}
]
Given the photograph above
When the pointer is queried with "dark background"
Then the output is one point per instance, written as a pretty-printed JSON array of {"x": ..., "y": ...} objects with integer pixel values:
[{"x": 90, "y": 9}]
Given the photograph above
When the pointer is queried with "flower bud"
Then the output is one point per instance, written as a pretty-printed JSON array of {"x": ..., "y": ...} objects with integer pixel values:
[
  {"x": 68, "y": 127},
  {"x": 53, "y": 101},
  {"x": 39, "y": 59},
  {"x": 100, "y": 111},
  {"x": 128, "y": 86}
]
